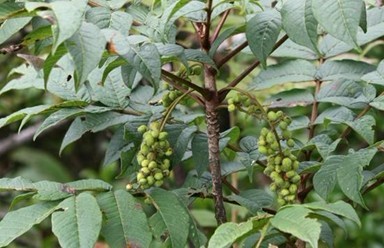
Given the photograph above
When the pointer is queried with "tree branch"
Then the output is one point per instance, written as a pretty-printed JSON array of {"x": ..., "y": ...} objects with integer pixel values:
[
  {"x": 231, "y": 54},
  {"x": 224, "y": 91},
  {"x": 220, "y": 25}
]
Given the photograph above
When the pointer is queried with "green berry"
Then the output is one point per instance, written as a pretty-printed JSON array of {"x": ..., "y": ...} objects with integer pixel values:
[
  {"x": 281, "y": 202},
  {"x": 290, "y": 174},
  {"x": 154, "y": 125},
  {"x": 270, "y": 138},
  {"x": 295, "y": 165},
  {"x": 150, "y": 180},
  {"x": 140, "y": 176},
  {"x": 290, "y": 143},
  {"x": 144, "y": 149},
  {"x": 166, "y": 164},
  {"x": 173, "y": 95},
  {"x": 149, "y": 140},
  {"x": 261, "y": 142},
  {"x": 263, "y": 150},
  {"x": 283, "y": 125},
  {"x": 287, "y": 134},
  {"x": 286, "y": 167},
  {"x": 145, "y": 163},
  {"x": 277, "y": 160},
  {"x": 287, "y": 162},
  {"x": 152, "y": 165},
  {"x": 158, "y": 176},
  {"x": 145, "y": 170},
  {"x": 140, "y": 158},
  {"x": 163, "y": 136},
  {"x": 264, "y": 131},
  {"x": 155, "y": 134},
  {"x": 295, "y": 179},
  {"x": 284, "y": 192},
  {"x": 290, "y": 198},
  {"x": 151, "y": 156},
  {"x": 279, "y": 114},
  {"x": 271, "y": 115},
  {"x": 166, "y": 173},
  {"x": 143, "y": 181},
  {"x": 142, "y": 129},
  {"x": 293, "y": 188},
  {"x": 230, "y": 101},
  {"x": 287, "y": 120},
  {"x": 273, "y": 187},
  {"x": 169, "y": 152},
  {"x": 275, "y": 146},
  {"x": 231, "y": 107},
  {"x": 159, "y": 183}
]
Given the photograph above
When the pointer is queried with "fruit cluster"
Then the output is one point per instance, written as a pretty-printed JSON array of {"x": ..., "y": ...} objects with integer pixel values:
[
  {"x": 282, "y": 165},
  {"x": 169, "y": 97},
  {"x": 153, "y": 156},
  {"x": 242, "y": 103}
]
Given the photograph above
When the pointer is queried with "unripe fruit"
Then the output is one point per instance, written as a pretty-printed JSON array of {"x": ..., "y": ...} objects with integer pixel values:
[
  {"x": 140, "y": 176},
  {"x": 145, "y": 170},
  {"x": 150, "y": 180},
  {"x": 140, "y": 158},
  {"x": 158, "y": 176},
  {"x": 155, "y": 134},
  {"x": 275, "y": 146},
  {"x": 152, "y": 165},
  {"x": 290, "y": 143},
  {"x": 290, "y": 198},
  {"x": 128, "y": 186},
  {"x": 159, "y": 183},
  {"x": 287, "y": 162},
  {"x": 272, "y": 116},
  {"x": 283, "y": 125},
  {"x": 149, "y": 140},
  {"x": 261, "y": 142},
  {"x": 264, "y": 131},
  {"x": 247, "y": 102},
  {"x": 231, "y": 107},
  {"x": 287, "y": 134},
  {"x": 279, "y": 182},
  {"x": 230, "y": 101},
  {"x": 154, "y": 125},
  {"x": 142, "y": 129},
  {"x": 287, "y": 120},
  {"x": 145, "y": 163},
  {"x": 286, "y": 167},
  {"x": 263, "y": 150},
  {"x": 296, "y": 165},
  {"x": 166, "y": 173},
  {"x": 166, "y": 164},
  {"x": 173, "y": 95},
  {"x": 151, "y": 156},
  {"x": 293, "y": 188},
  {"x": 270, "y": 138},
  {"x": 163, "y": 136},
  {"x": 144, "y": 149},
  {"x": 290, "y": 174},
  {"x": 281, "y": 202},
  {"x": 274, "y": 175},
  {"x": 279, "y": 114},
  {"x": 169, "y": 152},
  {"x": 273, "y": 187},
  {"x": 277, "y": 160},
  {"x": 268, "y": 170},
  {"x": 295, "y": 179},
  {"x": 284, "y": 192},
  {"x": 278, "y": 168},
  {"x": 142, "y": 181}
]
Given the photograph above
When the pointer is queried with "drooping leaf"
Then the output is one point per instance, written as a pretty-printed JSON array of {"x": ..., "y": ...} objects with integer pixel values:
[
  {"x": 324, "y": 144},
  {"x": 300, "y": 23},
  {"x": 86, "y": 47},
  {"x": 227, "y": 234},
  {"x": 346, "y": 171},
  {"x": 9, "y": 9},
  {"x": 17, "y": 222},
  {"x": 182, "y": 144},
  {"x": 375, "y": 77},
  {"x": 289, "y": 71},
  {"x": 364, "y": 126},
  {"x": 126, "y": 223},
  {"x": 331, "y": 46},
  {"x": 339, "y": 208},
  {"x": 11, "y": 26},
  {"x": 79, "y": 222},
  {"x": 253, "y": 199},
  {"x": 174, "y": 215},
  {"x": 17, "y": 183},
  {"x": 348, "y": 69},
  {"x": 295, "y": 220},
  {"x": 200, "y": 152},
  {"x": 344, "y": 21},
  {"x": 262, "y": 32},
  {"x": 51, "y": 60},
  {"x": 18, "y": 115},
  {"x": 225, "y": 34}
]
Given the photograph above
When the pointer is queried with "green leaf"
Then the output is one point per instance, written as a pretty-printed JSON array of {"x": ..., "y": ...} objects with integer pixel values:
[
  {"x": 344, "y": 21},
  {"x": 346, "y": 170},
  {"x": 90, "y": 184},
  {"x": 378, "y": 103},
  {"x": 17, "y": 183},
  {"x": 295, "y": 220},
  {"x": 126, "y": 223},
  {"x": 197, "y": 55},
  {"x": 347, "y": 93},
  {"x": 262, "y": 32},
  {"x": 375, "y": 77},
  {"x": 8, "y": 9},
  {"x": 11, "y": 26},
  {"x": 145, "y": 59},
  {"x": 225, "y": 34},
  {"x": 79, "y": 222},
  {"x": 51, "y": 191},
  {"x": 174, "y": 215},
  {"x": 17, "y": 222},
  {"x": 200, "y": 153},
  {"x": 253, "y": 200},
  {"x": 339, "y": 208},
  {"x": 290, "y": 98},
  {"x": 364, "y": 126},
  {"x": 51, "y": 60},
  {"x": 324, "y": 144},
  {"x": 348, "y": 69},
  {"x": 63, "y": 12},
  {"x": 289, "y": 71},
  {"x": 331, "y": 46},
  {"x": 363, "y": 18},
  {"x": 181, "y": 144},
  {"x": 335, "y": 114},
  {"x": 300, "y": 23},
  {"x": 18, "y": 115},
  {"x": 290, "y": 49},
  {"x": 86, "y": 47},
  {"x": 228, "y": 233}
]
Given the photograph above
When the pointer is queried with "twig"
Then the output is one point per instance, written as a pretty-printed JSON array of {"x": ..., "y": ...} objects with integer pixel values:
[
  {"x": 224, "y": 91},
  {"x": 220, "y": 25},
  {"x": 231, "y": 54}
]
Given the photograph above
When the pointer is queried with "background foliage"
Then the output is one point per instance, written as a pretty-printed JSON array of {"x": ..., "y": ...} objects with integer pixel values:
[{"x": 80, "y": 89}]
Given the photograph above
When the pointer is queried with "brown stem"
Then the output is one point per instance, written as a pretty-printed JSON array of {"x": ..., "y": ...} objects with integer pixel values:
[
  {"x": 224, "y": 91},
  {"x": 314, "y": 113},
  {"x": 183, "y": 81},
  {"x": 231, "y": 54},
  {"x": 213, "y": 143},
  {"x": 230, "y": 186},
  {"x": 374, "y": 185},
  {"x": 220, "y": 25}
]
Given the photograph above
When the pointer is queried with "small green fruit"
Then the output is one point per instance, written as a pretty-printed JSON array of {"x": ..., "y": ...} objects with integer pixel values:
[
  {"x": 169, "y": 152},
  {"x": 271, "y": 115},
  {"x": 152, "y": 165},
  {"x": 281, "y": 202},
  {"x": 295, "y": 179},
  {"x": 270, "y": 137},
  {"x": 283, "y": 125},
  {"x": 275, "y": 146},
  {"x": 264, "y": 131},
  {"x": 159, "y": 183},
  {"x": 150, "y": 180},
  {"x": 154, "y": 125},
  {"x": 163, "y": 136},
  {"x": 140, "y": 176},
  {"x": 263, "y": 150},
  {"x": 142, "y": 129},
  {"x": 151, "y": 156},
  {"x": 287, "y": 134},
  {"x": 290, "y": 143},
  {"x": 128, "y": 186},
  {"x": 261, "y": 142},
  {"x": 290, "y": 174},
  {"x": 149, "y": 140},
  {"x": 279, "y": 114},
  {"x": 145, "y": 163},
  {"x": 296, "y": 165},
  {"x": 285, "y": 167},
  {"x": 143, "y": 181},
  {"x": 287, "y": 162},
  {"x": 290, "y": 198},
  {"x": 155, "y": 134},
  {"x": 158, "y": 176},
  {"x": 293, "y": 188},
  {"x": 231, "y": 107},
  {"x": 145, "y": 170},
  {"x": 284, "y": 192}
]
